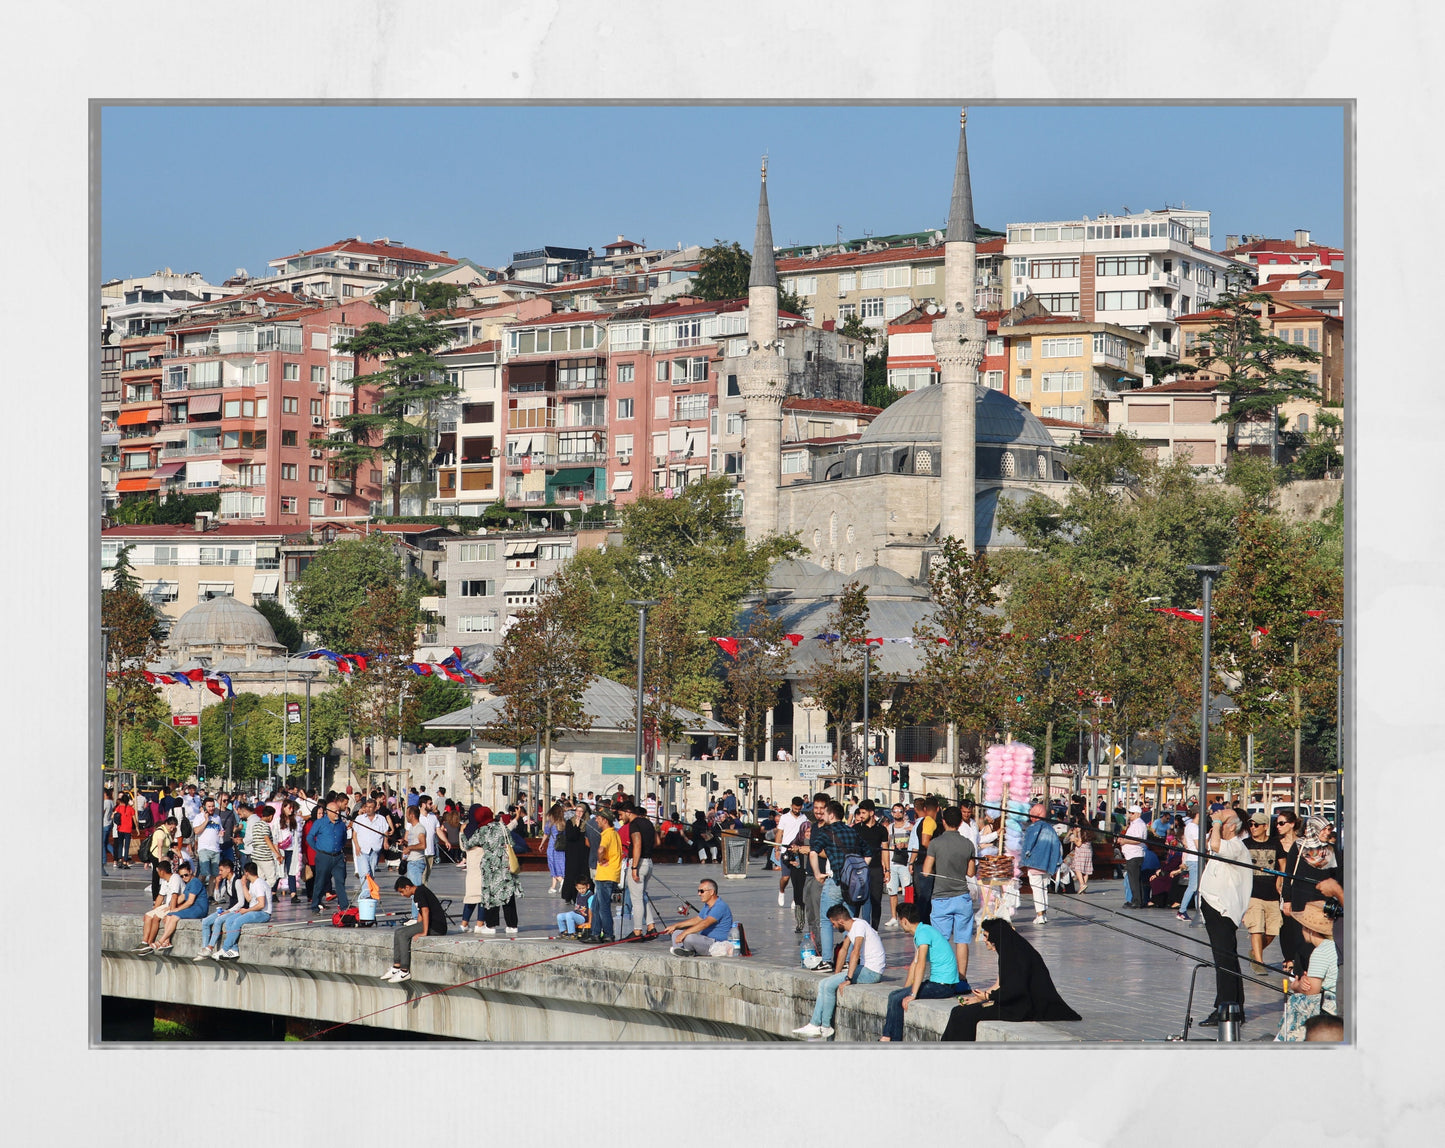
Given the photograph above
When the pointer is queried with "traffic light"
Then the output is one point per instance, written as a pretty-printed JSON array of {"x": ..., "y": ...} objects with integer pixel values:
[
  {"x": 712, "y": 783},
  {"x": 743, "y": 784},
  {"x": 893, "y": 777},
  {"x": 706, "y": 779},
  {"x": 903, "y": 777}
]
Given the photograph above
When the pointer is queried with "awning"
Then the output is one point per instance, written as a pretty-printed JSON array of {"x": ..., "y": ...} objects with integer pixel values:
[
  {"x": 265, "y": 583},
  {"x": 203, "y": 405},
  {"x": 622, "y": 480},
  {"x": 205, "y": 588},
  {"x": 126, "y": 485},
  {"x": 137, "y": 418},
  {"x": 169, "y": 470},
  {"x": 519, "y": 585},
  {"x": 573, "y": 476},
  {"x": 267, "y": 550},
  {"x": 519, "y": 549}
]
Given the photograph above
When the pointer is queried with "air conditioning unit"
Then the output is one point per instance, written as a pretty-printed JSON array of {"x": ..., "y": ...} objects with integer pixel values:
[
  {"x": 315, "y": 453},
  {"x": 317, "y": 421},
  {"x": 321, "y": 487},
  {"x": 625, "y": 457}
]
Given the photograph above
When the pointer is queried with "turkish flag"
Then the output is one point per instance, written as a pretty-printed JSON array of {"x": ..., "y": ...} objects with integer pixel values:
[{"x": 729, "y": 645}]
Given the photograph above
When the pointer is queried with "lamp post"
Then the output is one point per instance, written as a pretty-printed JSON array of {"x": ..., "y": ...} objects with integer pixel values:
[
  {"x": 1208, "y": 573},
  {"x": 642, "y": 604},
  {"x": 1339, "y": 625},
  {"x": 867, "y": 675}
]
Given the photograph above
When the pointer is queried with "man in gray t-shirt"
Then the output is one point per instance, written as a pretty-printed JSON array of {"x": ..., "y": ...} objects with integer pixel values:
[{"x": 951, "y": 862}]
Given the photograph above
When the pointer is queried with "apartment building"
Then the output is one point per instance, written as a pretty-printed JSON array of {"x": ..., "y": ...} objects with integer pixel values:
[
  {"x": 911, "y": 362},
  {"x": 468, "y": 470},
  {"x": 1070, "y": 370},
  {"x": 879, "y": 286},
  {"x": 815, "y": 429},
  {"x": 1322, "y": 291},
  {"x": 1177, "y": 419},
  {"x": 1141, "y": 271},
  {"x": 491, "y": 577},
  {"x": 230, "y": 401},
  {"x": 1274, "y": 257},
  {"x": 350, "y": 268}
]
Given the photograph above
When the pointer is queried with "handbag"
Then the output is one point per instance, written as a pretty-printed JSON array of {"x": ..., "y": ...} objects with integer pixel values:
[{"x": 514, "y": 866}]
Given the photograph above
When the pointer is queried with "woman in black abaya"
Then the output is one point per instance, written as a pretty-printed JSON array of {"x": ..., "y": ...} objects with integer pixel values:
[{"x": 1025, "y": 991}]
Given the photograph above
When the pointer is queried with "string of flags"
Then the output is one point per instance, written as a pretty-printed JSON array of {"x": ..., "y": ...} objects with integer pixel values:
[
  {"x": 1198, "y": 615},
  {"x": 219, "y": 684},
  {"x": 452, "y": 667}
]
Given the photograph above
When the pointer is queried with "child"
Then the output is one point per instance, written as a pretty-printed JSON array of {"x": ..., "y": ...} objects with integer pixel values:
[{"x": 580, "y": 916}]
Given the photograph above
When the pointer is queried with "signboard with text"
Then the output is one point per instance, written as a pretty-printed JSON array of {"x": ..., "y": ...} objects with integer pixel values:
[
  {"x": 815, "y": 758},
  {"x": 179, "y": 720}
]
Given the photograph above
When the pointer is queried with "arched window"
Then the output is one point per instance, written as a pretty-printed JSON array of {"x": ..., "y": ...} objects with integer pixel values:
[
  {"x": 922, "y": 461},
  {"x": 1006, "y": 464},
  {"x": 1041, "y": 468}
]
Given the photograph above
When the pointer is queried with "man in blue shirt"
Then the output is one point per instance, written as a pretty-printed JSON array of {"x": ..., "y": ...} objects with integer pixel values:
[
  {"x": 329, "y": 841},
  {"x": 1041, "y": 856},
  {"x": 933, "y": 956},
  {"x": 696, "y": 936}
]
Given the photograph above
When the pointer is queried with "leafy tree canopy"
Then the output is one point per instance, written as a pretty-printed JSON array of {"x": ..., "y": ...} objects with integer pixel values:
[
  {"x": 339, "y": 580},
  {"x": 434, "y": 295},
  {"x": 176, "y": 510},
  {"x": 723, "y": 272},
  {"x": 288, "y": 633}
]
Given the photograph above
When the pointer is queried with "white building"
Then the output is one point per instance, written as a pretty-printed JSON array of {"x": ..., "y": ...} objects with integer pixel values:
[
  {"x": 1140, "y": 271},
  {"x": 492, "y": 577},
  {"x": 470, "y": 432}
]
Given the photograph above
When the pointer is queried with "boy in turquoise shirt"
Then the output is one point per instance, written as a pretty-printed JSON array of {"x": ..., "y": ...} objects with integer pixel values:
[{"x": 931, "y": 953}]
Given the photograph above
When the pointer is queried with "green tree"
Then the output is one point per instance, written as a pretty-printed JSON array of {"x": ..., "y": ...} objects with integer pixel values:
[
  {"x": 384, "y": 625},
  {"x": 433, "y": 295},
  {"x": 435, "y": 697},
  {"x": 176, "y": 510},
  {"x": 1251, "y": 361},
  {"x": 754, "y": 679},
  {"x": 876, "y": 391},
  {"x": 339, "y": 580},
  {"x": 836, "y": 681},
  {"x": 287, "y": 632},
  {"x": 723, "y": 272},
  {"x": 1255, "y": 478},
  {"x": 133, "y": 637},
  {"x": 412, "y": 383},
  {"x": 1321, "y": 449}
]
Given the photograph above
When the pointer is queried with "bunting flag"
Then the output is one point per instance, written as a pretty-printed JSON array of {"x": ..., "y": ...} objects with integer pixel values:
[
  {"x": 794, "y": 638},
  {"x": 420, "y": 668},
  {"x": 149, "y": 677},
  {"x": 344, "y": 665},
  {"x": 196, "y": 675},
  {"x": 230, "y": 689},
  {"x": 728, "y": 645},
  {"x": 215, "y": 687}
]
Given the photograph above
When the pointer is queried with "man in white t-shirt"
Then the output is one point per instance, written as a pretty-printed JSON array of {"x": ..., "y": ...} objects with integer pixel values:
[
  {"x": 368, "y": 834},
  {"x": 790, "y": 826},
  {"x": 257, "y": 911},
  {"x": 1191, "y": 862},
  {"x": 167, "y": 895},
  {"x": 1133, "y": 851},
  {"x": 207, "y": 826},
  {"x": 433, "y": 826},
  {"x": 861, "y": 961}
]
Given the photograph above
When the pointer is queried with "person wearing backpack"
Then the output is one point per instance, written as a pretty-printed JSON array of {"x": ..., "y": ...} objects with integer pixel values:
[
  {"x": 846, "y": 878},
  {"x": 156, "y": 848},
  {"x": 951, "y": 862}
]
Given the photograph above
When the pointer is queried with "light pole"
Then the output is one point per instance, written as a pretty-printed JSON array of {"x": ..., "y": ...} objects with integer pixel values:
[
  {"x": 1339, "y": 625},
  {"x": 642, "y": 604},
  {"x": 1208, "y": 573},
  {"x": 867, "y": 675}
]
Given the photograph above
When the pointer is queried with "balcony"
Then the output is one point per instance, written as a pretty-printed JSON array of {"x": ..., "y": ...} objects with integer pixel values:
[
  {"x": 194, "y": 352},
  {"x": 595, "y": 385},
  {"x": 587, "y": 457},
  {"x": 340, "y": 487},
  {"x": 538, "y": 459},
  {"x": 519, "y": 498},
  {"x": 1165, "y": 280},
  {"x": 195, "y": 451},
  {"x": 1160, "y": 314}
]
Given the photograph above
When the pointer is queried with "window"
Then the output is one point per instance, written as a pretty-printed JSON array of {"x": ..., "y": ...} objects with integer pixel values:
[
  {"x": 338, "y": 505},
  {"x": 733, "y": 385},
  {"x": 165, "y": 555},
  {"x": 795, "y": 462},
  {"x": 1025, "y": 352},
  {"x": 627, "y": 337},
  {"x": 871, "y": 278},
  {"x": 477, "y": 552},
  {"x": 691, "y": 407},
  {"x": 340, "y": 408},
  {"x": 660, "y": 407},
  {"x": 376, "y": 477},
  {"x": 910, "y": 378},
  {"x": 1061, "y": 348},
  {"x": 872, "y": 308},
  {"x": 807, "y": 285},
  {"x": 477, "y": 587},
  {"x": 316, "y": 507},
  {"x": 1064, "y": 303},
  {"x": 846, "y": 311},
  {"x": 623, "y": 445},
  {"x": 288, "y": 505},
  {"x": 476, "y": 624},
  {"x": 1021, "y": 266},
  {"x": 588, "y": 413},
  {"x": 688, "y": 371},
  {"x": 1063, "y": 382},
  {"x": 994, "y": 380},
  {"x": 1314, "y": 333},
  {"x": 318, "y": 374},
  {"x": 1054, "y": 269},
  {"x": 626, "y": 372},
  {"x": 923, "y": 276},
  {"x": 734, "y": 423},
  {"x": 897, "y": 277},
  {"x": 1111, "y": 345},
  {"x": 624, "y": 408},
  {"x": 994, "y": 346},
  {"x": 896, "y": 305},
  {"x": 291, "y": 372},
  {"x": 554, "y": 551},
  {"x": 290, "y": 406},
  {"x": 1122, "y": 265},
  {"x": 1066, "y": 414},
  {"x": 232, "y": 409},
  {"x": 288, "y": 471},
  {"x": 262, "y": 406},
  {"x": 341, "y": 373},
  {"x": 288, "y": 438},
  {"x": 847, "y": 281},
  {"x": 315, "y": 474},
  {"x": 316, "y": 406},
  {"x": 662, "y": 369},
  {"x": 1121, "y": 300}
]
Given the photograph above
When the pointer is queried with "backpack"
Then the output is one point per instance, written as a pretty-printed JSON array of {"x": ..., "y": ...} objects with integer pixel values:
[
  {"x": 143, "y": 852},
  {"x": 853, "y": 880},
  {"x": 346, "y": 918}
]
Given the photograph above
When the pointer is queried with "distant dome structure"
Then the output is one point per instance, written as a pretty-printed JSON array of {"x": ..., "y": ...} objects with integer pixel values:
[
  {"x": 918, "y": 418},
  {"x": 223, "y": 627}
]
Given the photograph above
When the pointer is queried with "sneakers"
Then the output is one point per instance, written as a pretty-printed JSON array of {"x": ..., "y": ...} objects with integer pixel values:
[
  {"x": 486, "y": 930},
  {"x": 511, "y": 931},
  {"x": 891, "y": 923},
  {"x": 679, "y": 951},
  {"x": 401, "y": 975},
  {"x": 825, "y": 1031},
  {"x": 389, "y": 974},
  {"x": 809, "y": 1030},
  {"x": 216, "y": 955},
  {"x": 412, "y": 921},
  {"x": 231, "y": 955},
  {"x": 782, "y": 900},
  {"x": 203, "y": 954},
  {"x": 1041, "y": 919},
  {"x": 1182, "y": 917}
]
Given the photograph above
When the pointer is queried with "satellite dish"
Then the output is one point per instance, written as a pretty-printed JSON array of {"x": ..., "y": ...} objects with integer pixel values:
[{"x": 566, "y": 516}]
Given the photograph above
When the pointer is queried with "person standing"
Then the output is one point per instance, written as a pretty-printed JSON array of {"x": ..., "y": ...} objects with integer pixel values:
[
  {"x": 833, "y": 843},
  {"x": 900, "y": 877},
  {"x": 328, "y": 839},
  {"x": 208, "y": 844},
  {"x": 499, "y": 887},
  {"x": 1223, "y": 898},
  {"x": 950, "y": 862},
  {"x": 576, "y": 873},
  {"x": 1135, "y": 836},
  {"x": 1262, "y": 919},
  {"x": 642, "y": 840},
  {"x": 368, "y": 835},
  {"x": 874, "y": 835},
  {"x": 433, "y": 826},
  {"x": 1081, "y": 856},
  {"x": 107, "y": 829},
  {"x": 1190, "y": 846},
  {"x": 124, "y": 818},
  {"x": 1040, "y": 858},
  {"x": 1314, "y": 874},
  {"x": 924, "y": 830},
  {"x": 609, "y": 872},
  {"x": 259, "y": 845},
  {"x": 556, "y": 857},
  {"x": 792, "y": 827}
]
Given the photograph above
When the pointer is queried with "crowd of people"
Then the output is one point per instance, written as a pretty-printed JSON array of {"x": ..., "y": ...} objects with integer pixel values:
[{"x": 226, "y": 860}]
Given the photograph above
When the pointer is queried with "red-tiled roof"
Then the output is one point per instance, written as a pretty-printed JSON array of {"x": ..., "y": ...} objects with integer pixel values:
[
  {"x": 473, "y": 348},
  {"x": 1052, "y": 422},
  {"x": 832, "y": 406},
  {"x": 387, "y": 250},
  {"x": 620, "y": 243},
  {"x": 1193, "y": 386},
  {"x": 990, "y": 246},
  {"x": 1331, "y": 277},
  {"x": 825, "y": 441},
  {"x": 559, "y": 318},
  {"x": 579, "y": 284},
  {"x": 1284, "y": 247},
  {"x": 1304, "y": 313},
  {"x": 1198, "y": 315},
  {"x": 858, "y": 258},
  {"x": 223, "y": 530}
]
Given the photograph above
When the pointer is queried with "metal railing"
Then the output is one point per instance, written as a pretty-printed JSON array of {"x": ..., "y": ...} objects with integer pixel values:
[{"x": 582, "y": 385}]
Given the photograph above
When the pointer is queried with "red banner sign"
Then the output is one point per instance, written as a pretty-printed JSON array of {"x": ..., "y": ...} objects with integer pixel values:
[{"x": 185, "y": 719}]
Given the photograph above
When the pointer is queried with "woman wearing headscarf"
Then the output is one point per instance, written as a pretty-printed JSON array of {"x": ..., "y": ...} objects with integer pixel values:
[
  {"x": 576, "y": 851},
  {"x": 497, "y": 888},
  {"x": 472, "y": 897},
  {"x": 1308, "y": 861},
  {"x": 1025, "y": 991}
]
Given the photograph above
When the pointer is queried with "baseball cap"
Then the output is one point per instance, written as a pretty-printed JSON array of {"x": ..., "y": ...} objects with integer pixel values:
[
  {"x": 1259, "y": 818},
  {"x": 1134, "y": 809}
]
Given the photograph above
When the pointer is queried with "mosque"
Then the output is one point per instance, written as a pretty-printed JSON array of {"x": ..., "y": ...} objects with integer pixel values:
[{"x": 937, "y": 462}]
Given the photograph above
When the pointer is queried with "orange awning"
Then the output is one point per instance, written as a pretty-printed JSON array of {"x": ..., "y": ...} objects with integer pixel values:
[
  {"x": 139, "y": 417},
  {"x": 129, "y": 484}
]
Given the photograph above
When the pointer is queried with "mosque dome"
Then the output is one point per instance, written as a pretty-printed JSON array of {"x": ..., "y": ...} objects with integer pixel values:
[
  {"x": 918, "y": 416},
  {"x": 224, "y": 622}
]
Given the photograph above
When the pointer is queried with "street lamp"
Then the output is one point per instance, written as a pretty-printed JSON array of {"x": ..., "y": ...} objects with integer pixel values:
[
  {"x": 1339, "y": 625},
  {"x": 642, "y": 604},
  {"x": 1207, "y": 573}
]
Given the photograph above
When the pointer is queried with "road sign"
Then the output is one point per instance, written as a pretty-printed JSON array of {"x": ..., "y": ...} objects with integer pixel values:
[
  {"x": 290, "y": 759},
  {"x": 815, "y": 758},
  {"x": 266, "y": 758},
  {"x": 293, "y": 712},
  {"x": 185, "y": 719}
]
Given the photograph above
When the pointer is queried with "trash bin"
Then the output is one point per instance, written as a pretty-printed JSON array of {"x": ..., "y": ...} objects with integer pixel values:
[{"x": 735, "y": 854}]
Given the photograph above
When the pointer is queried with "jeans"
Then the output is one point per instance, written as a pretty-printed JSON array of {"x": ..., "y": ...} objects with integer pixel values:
[
  {"x": 637, "y": 890},
  {"x": 416, "y": 869},
  {"x": 231, "y": 932},
  {"x": 104, "y": 842},
  {"x": 286, "y": 869},
  {"x": 122, "y": 847},
  {"x": 928, "y": 990},
  {"x": 829, "y": 895},
  {"x": 569, "y": 923},
  {"x": 828, "y": 992},
  {"x": 211, "y": 928},
  {"x": 401, "y": 944},
  {"x": 812, "y": 892},
  {"x": 603, "y": 923},
  {"x": 366, "y": 865},
  {"x": 923, "y": 895},
  {"x": 208, "y": 866},
  {"x": 330, "y": 869},
  {"x": 1133, "y": 882},
  {"x": 1224, "y": 945},
  {"x": 1191, "y": 864},
  {"x": 875, "y": 896}
]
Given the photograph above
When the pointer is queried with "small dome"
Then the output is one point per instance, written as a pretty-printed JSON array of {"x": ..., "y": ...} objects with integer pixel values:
[
  {"x": 881, "y": 582},
  {"x": 918, "y": 416},
  {"x": 788, "y": 573},
  {"x": 222, "y": 621}
]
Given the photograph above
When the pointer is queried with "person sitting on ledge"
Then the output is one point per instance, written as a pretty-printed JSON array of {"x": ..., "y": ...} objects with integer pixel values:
[
  {"x": 933, "y": 975},
  {"x": 168, "y": 892},
  {"x": 191, "y": 905},
  {"x": 696, "y": 936},
  {"x": 431, "y": 921},
  {"x": 256, "y": 910},
  {"x": 1024, "y": 991}
]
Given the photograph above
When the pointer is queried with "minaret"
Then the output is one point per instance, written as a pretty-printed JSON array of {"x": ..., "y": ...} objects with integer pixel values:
[
  {"x": 958, "y": 345},
  {"x": 762, "y": 384}
]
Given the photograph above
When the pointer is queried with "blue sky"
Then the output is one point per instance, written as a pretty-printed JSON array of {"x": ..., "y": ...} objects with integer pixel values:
[{"x": 211, "y": 189}]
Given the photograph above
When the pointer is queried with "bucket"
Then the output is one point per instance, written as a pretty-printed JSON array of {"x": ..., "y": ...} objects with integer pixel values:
[{"x": 366, "y": 909}]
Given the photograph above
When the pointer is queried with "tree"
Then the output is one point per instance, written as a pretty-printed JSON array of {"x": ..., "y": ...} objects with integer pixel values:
[
  {"x": 433, "y": 295},
  {"x": 435, "y": 697},
  {"x": 176, "y": 510},
  {"x": 384, "y": 626},
  {"x": 412, "y": 383},
  {"x": 962, "y": 677},
  {"x": 1250, "y": 361},
  {"x": 287, "y": 632},
  {"x": 723, "y": 272},
  {"x": 836, "y": 682},
  {"x": 338, "y": 582},
  {"x": 754, "y": 679},
  {"x": 676, "y": 667},
  {"x": 133, "y": 637},
  {"x": 1321, "y": 450},
  {"x": 876, "y": 391},
  {"x": 540, "y": 671}
]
